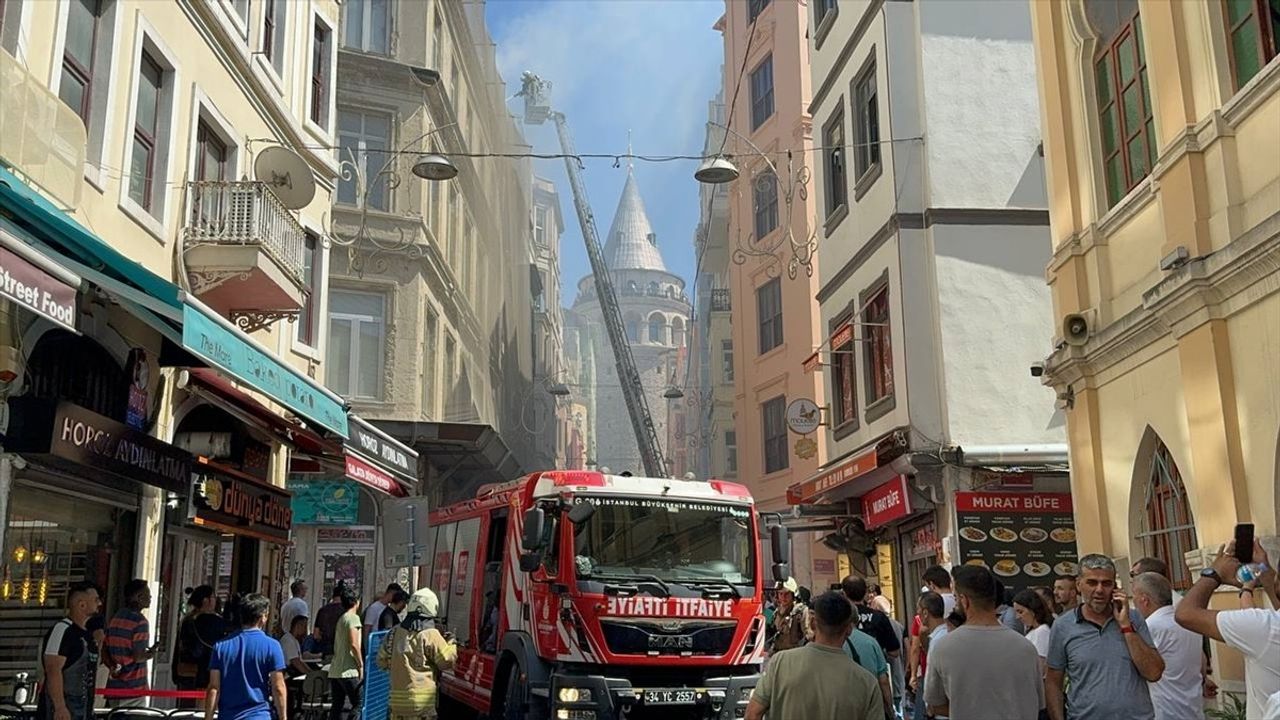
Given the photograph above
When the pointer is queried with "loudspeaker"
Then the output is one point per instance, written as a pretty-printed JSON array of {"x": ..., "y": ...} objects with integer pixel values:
[{"x": 1077, "y": 327}]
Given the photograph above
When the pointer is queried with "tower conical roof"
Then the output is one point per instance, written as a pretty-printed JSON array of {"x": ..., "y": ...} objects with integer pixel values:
[{"x": 631, "y": 244}]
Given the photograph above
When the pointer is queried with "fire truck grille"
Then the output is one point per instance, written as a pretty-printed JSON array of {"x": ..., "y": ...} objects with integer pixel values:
[{"x": 668, "y": 637}]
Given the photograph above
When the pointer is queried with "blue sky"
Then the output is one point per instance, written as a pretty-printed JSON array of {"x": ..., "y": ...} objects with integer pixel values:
[{"x": 648, "y": 66}]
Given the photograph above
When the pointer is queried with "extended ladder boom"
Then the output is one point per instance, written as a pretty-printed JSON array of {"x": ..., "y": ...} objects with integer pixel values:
[{"x": 632, "y": 390}]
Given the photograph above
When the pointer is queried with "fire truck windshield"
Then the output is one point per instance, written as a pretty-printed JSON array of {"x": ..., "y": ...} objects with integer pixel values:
[{"x": 676, "y": 541}]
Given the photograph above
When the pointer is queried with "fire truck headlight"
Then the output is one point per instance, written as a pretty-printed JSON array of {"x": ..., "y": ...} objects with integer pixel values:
[
  {"x": 744, "y": 694},
  {"x": 574, "y": 695},
  {"x": 565, "y": 714}
]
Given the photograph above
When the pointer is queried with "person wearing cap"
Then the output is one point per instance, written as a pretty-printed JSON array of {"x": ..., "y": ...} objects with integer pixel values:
[
  {"x": 791, "y": 618},
  {"x": 415, "y": 653}
]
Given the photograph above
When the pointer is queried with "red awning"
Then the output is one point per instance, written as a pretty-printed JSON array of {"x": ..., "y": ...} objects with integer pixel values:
[{"x": 222, "y": 392}]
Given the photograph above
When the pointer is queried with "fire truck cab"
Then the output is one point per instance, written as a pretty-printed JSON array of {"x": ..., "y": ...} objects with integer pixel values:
[{"x": 582, "y": 596}]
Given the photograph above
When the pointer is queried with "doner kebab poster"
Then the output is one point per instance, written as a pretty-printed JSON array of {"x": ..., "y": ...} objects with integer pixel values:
[{"x": 1026, "y": 539}]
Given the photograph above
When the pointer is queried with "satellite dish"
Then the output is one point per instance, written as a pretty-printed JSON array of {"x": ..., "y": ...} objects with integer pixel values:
[{"x": 287, "y": 174}]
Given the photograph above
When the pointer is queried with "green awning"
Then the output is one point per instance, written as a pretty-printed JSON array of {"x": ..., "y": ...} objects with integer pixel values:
[{"x": 56, "y": 226}]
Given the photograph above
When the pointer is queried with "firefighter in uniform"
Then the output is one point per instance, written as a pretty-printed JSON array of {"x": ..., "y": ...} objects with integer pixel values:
[
  {"x": 790, "y": 619},
  {"x": 415, "y": 653}
]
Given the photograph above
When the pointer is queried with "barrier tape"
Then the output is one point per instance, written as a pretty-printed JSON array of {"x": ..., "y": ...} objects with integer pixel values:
[{"x": 130, "y": 693}]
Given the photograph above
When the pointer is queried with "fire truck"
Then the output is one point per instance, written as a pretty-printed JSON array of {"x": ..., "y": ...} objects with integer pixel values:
[{"x": 583, "y": 596}]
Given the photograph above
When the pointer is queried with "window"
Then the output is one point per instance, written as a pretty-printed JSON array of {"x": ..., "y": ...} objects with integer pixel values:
[
  {"x": 822, "y": 8},
  {"x": 773, "y": 415},
  {"x": 837, "y": 196},
  {"x": 320, "y": 74},
  {"x": 1169, "y": 529},
  {"x": 1124, "y": 98},
  {"x": 430, "y": 361},
  {"x": 242, "y": 10},
  {"x": 310, "y": 293},
  {"x": 677, "y": 332},
  {"x": 274, "y": 31},
  {"x": 866, "y": 131},
  {"x": 540, "y": 225},
  {"x": 844, "y": 393},
  {"x": 762, "y": 92},
  {"x": 726, "y": 360},
  {"x": 437, "y": 40},
  {"x": 357, "y": 334},
  {"x": 1253, "y": 34},
  {"x": 450, "y": 363},
  {"x": 143, "y": 165},
  {"x": 213, "y": 157},
  {"x": 731, "y": 452},
  {"x": 657, "y": 329},
  {"x": 769, "y": 308},
  {"x": 367, "y": 26},
  {"x": 365, "y": 137},
  {"x": 79, "y": 55},
  {"x": 10, "y": 25},
  {"x": 766, "y": 203},
  {"x": 633, "y": 329},
  {"x": 879, "y": 348},
  {"x": 754, "y": 8}
]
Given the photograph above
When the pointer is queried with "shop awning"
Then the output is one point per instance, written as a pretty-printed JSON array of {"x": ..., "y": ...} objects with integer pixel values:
[
  {"x": 462, "y": 456},
  {"x": 850, "y": 476},
  {"x": 162, "y": 304},
  {"x": 222, "y": 392}
]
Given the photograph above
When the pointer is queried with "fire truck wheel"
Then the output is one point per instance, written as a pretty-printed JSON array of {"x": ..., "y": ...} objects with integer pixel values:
[{"x": 513, "y": 703}]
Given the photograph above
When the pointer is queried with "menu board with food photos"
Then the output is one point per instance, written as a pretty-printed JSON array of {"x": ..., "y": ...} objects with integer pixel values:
[{"x": 1026, "y": 539}]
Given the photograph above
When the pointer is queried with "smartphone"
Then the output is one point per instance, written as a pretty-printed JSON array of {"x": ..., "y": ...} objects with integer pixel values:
[{"x": 1244, "y": 542}]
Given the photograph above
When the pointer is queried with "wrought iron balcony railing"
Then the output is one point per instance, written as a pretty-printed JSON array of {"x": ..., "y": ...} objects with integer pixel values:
[
  {"x": 245, "y": 213},
  {"x": 720, "y": 300}
]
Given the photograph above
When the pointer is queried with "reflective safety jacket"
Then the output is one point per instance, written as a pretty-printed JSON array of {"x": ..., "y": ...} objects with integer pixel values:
[{"x": 415, "y": 654}]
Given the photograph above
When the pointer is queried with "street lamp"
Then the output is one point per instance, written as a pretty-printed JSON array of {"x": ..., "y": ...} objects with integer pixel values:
[
  {"x": 719, "y": 170},
  {"x": 429, "y": 166}
]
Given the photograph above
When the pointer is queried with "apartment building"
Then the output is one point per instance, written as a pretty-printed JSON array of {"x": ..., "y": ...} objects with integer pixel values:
[
  {"x": 434, "y": 283},
  {"x": 932, "y": 242},
  {"x": 166, "y": 170},
  {"x": 1164, "y": 194},
  {"x": 775, "y": 318}
]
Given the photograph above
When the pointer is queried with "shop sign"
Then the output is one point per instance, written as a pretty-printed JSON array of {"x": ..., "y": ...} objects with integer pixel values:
[
  {"x": 355, "y": 536},
  {"x": 824, "y": 566},
  {"x": 389, "y": 454},
  {"x": 364, "y": 473},
  {"x": 235, "y": 356},
  {"x": 36, "y": 290},
  {"x": 806, "y": 448},
  {"x": 924, "y": 541},
  {"x": 832, "y": 478},
  {"x": 325, "y": 502},
  {"x": 233, "y": 504},
  {"x": 83, "y": 437},
  {"x": 803, "y": 416},
  {"x": 1025, "y": 538},
  {"x": 813, "y": 362},
  {"x": 139, "y": 372},
  {"x": 886, "y": 503}
]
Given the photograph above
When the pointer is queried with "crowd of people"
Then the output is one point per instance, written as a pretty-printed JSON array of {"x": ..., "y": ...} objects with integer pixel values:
[
  {"x": 225, "y": 654},
  {"x": 1084, "y": 649}
]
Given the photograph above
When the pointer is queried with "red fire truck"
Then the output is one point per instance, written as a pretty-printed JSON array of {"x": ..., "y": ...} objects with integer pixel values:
[{"x": 584, "y": 596}]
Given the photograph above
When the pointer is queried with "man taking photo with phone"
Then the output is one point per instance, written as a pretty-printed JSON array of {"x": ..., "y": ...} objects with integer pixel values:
[{"x": 1255, "y": 632}]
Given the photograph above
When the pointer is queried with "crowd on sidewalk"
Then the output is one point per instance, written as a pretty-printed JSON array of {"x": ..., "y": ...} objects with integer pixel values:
[
  {"x": 225, "y": 654},
  {"x": 1082, "y": 650}
]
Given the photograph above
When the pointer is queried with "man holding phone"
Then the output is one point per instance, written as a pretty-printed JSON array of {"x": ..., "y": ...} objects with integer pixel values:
[
  {"x": 128, "y": 645},
  {"x": 1255, "y": 632},
  {"x": 1104, "y": 648}
]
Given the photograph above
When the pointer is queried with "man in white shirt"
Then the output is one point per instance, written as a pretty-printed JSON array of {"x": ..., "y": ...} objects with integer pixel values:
[
  {"x": 291, "y": 644},
  {"x": 374, "y": 611},
  {"x": 294, "y": 606},
  {"x": 1178, "y": 693},
  {"x": 1254, "y": 632}
]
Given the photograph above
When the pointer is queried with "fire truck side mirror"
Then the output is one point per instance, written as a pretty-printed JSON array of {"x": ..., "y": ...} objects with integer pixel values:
[
  {"x": 535, "y": 521},
  {"x": 780, "y": 547}
]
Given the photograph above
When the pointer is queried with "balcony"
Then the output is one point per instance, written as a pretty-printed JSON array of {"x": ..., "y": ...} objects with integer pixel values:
[
  {"x": 243, "y": 252},
  {"x": 720, "y": 300}
]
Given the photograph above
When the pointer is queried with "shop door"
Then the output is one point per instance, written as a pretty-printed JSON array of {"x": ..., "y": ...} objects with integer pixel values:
[
  {"x": 352, "y": 565},
  {"x": 190, "y": 561}
]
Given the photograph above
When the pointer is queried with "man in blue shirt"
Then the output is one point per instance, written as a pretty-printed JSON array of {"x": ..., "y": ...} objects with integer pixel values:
[{"x": 245, "y": 668}]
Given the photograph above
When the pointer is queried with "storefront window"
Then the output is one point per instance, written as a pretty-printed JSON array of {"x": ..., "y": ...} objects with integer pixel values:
[{"x": 50, "y": 541}]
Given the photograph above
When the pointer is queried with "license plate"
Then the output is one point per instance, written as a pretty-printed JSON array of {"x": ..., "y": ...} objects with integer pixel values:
[{"x": 670, "y": 697}]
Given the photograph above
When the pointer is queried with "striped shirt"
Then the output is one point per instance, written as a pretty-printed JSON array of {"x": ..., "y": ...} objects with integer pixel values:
[{"x": 128, "y": 634}]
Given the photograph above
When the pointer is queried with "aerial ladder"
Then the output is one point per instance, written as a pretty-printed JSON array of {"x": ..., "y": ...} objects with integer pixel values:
[{"x": 537, "y": 109}]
